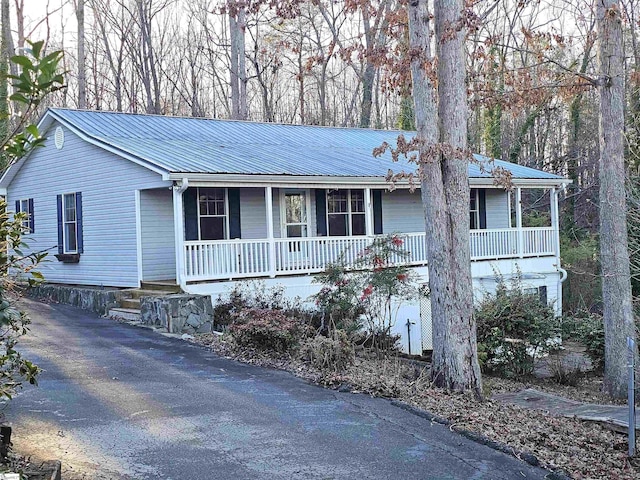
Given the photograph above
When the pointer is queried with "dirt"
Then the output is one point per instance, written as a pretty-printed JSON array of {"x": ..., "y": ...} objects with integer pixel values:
[{"x": 582, "y": 450}]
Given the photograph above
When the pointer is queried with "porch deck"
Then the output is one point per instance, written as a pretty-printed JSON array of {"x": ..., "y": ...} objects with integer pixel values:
[{"x": 237, "y": 259}]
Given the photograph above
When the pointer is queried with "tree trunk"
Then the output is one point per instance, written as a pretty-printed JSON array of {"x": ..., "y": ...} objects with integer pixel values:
[
  {"x": 614, "y": 253},
  {"x": 82, "y": 77},
  {"x": 238, "y": 71},
  {"x": 455, "y": 357},
  {"x": 4, "y": 71}
]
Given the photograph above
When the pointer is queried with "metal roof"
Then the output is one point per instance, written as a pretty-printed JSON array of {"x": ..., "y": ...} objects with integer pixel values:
[{"x": 198, "y": 145}]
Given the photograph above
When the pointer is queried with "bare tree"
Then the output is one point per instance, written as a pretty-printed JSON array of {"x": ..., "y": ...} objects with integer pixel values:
[
  {"x": 614, "y": 253},
  {"x": 82, "y": 76}
]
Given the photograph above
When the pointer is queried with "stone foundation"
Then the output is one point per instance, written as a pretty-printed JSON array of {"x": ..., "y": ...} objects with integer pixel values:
[
  {"x": 98, "y": 300},
  {"x": 179, "y": 313}
]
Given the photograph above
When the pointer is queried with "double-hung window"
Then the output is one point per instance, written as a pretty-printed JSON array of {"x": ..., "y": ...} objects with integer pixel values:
[
  {"x": 26, "y": 206},
  {"x": 345, "y": 212},
  {"x": 212, "y": 213},
  {"x": 70, "y": 223}
]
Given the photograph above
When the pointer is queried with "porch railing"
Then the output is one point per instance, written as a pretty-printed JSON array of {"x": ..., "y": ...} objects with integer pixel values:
[{"x": 229, "y": 259}]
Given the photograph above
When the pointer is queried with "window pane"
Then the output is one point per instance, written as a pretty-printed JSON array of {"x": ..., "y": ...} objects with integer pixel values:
[
  {"x": 473, "y": 224},
  {"x": 358, "y": 224},
  {"x": 24, "y": 206},
  {"x": 337, "y": 201},
  {"x": 295, "y": 208},
  {"x": 296, "y": 231},
  {"x": 357, "y": 201},
  {"x": 70, "y": 244},
  {"x": 70, "y": 207},
  {"x": 212, "y": 228},
  {"x": 472, "y": 199},
  {"x": 211, "y": 201},
  {"x": 338, "y": 225}
]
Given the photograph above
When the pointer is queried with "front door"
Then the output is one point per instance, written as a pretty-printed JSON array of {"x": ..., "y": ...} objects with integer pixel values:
[{"x": 296, "y": 225}]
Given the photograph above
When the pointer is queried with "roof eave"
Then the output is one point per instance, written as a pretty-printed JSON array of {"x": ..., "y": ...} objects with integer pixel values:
[{"x": 327, "y": 181}]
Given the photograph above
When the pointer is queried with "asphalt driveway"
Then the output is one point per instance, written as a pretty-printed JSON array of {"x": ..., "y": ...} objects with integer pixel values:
[{"x": 121, "y": 402}]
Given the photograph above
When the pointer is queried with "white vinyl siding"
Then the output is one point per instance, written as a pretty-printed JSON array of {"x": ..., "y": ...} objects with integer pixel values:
[
  {"x": 497, "y": 208},
  {"x": 108, "y": 183},
  {"x": 157, "y": 234},
  {"x": 253, "y": 213},
  {"x": 402, "y": 212}
]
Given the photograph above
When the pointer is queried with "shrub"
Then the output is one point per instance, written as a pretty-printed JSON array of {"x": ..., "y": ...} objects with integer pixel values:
[
  {"x": 513, "y": 328},
  {"x": 253, "y": 295},
  {"x": 266, "y": 329},
  {"x": 588, "y": 329},
  {"x": 371, "y": 289},
  {"x": 334, "y": 353}
]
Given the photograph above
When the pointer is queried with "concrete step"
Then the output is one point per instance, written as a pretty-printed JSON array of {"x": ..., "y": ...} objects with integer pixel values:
[
  {"x": 139, "y": 293},
  {"x": 130, "y": 303},
  {"x": 131, "y": 314},
  {"x": 165, "y": 286}
]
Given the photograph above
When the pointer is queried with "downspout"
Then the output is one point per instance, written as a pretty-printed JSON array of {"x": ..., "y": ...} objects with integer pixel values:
[{"x": 178, "y": 218}]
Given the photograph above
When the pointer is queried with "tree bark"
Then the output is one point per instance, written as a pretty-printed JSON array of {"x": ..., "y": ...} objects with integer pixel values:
[
  {"x": 445, "y": 193},
  {"x": 82, "y": 77},
  {"x": 614, "y": 253}
]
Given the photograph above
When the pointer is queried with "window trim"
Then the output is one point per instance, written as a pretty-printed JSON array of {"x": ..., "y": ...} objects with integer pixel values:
[
  {"x": 64, "y": 223},
  {"x": 226, "y": 213},
  {"x": 475, "y": 213},
  {"x": 349, "y": 213},
  {"x": 27, "y": 222},
  {"x": 283, "y": 211}
]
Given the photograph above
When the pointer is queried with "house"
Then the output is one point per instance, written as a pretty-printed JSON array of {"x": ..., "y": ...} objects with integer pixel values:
[{"x": 122, "y": 198}]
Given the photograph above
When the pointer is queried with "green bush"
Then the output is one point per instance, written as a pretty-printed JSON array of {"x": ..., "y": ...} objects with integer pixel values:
[
  {"x": 513, "y": 328},
  {"x": 588, "y": 329},
  {"x": 267, "y": 329},
  {"x": 333, "y": 353}
]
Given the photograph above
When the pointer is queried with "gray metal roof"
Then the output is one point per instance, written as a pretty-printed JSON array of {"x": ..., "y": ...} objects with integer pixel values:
[{"x": 197, "y": 145}]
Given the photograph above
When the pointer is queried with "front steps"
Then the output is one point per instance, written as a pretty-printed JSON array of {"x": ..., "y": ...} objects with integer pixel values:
[{"x": 129, "y": 308}]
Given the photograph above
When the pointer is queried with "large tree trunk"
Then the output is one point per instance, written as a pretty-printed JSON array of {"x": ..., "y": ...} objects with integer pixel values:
[
  {"x": 445, "y": 194},
  {"x": 82, "y": 76},
  {"x": 238, "y": 71},
  {"x": 614, "y": 253},
  {"x": 5, "y": 54}
]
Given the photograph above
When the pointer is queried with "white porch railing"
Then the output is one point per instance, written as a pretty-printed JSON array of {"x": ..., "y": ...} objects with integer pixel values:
[{"x": 229, "y": 259}]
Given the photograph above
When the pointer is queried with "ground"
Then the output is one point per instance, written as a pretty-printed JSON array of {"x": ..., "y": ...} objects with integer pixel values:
[{"x": 116, "y": 401}]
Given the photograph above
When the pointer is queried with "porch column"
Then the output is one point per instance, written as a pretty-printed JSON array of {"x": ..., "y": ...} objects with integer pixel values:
[
  {"x": 555, "y": 221},
  {"x": 368, "y": 212},
  {"x": 268, "y": 199},
  {"x": 519, "y": 222},
  {"x": 178, "y": 225}
]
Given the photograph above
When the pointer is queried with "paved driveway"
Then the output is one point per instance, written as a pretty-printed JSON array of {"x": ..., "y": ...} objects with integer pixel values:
[{"x": 121, "y": 402}]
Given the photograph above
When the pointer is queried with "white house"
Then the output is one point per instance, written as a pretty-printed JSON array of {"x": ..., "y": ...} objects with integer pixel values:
[{"x": 121, "y": 199}]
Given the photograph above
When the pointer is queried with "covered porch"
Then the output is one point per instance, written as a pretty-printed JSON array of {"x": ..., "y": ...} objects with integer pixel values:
[{"x": 276, "y": 230}]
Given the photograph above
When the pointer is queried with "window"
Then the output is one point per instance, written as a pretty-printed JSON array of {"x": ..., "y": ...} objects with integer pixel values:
[
  {"x": 474, "y": 210},
  {"x": 70, "y": 223},
  {"x": 26, "y": 206},
  {"x": 345, "y": 212},
  {"x": 541, "y": 292},
  {"x": 212, "y": 213}
]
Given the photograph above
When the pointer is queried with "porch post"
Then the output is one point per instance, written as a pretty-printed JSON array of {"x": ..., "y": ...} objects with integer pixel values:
[
  {"x": 368, "y": 212},
  {"x": 178, "y": 225},
  {"x": 519, "y": 221},
  {"x": 555, "y": 221},
  {"x": 268, "y": 199}
]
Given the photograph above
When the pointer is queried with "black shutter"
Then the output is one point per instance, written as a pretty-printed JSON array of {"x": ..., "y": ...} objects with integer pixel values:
[
  {"x": 190, "y": 199},
  {"x": 60, "y": 237},
  {"x": 377, "y": 212},
  {"x": 542, "y": 292},
  {"x": 17, "y": 206},
  {"x": 233, "y": 195},
  {"x": 79, "y": 236},
  {"x": 32, "y": 219},
  {"x": 321, "y": 212},
  {"x": 482, "y": 207}
]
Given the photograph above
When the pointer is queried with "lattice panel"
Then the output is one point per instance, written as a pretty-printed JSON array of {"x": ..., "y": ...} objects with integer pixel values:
[{"x": 425, "y": 323}]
